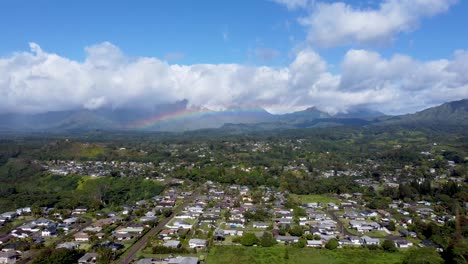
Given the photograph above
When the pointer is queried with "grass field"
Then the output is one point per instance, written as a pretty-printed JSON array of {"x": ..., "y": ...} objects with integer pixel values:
[
  {"x": 259, "y": 255},
  {"x": 315, "y": 198}
]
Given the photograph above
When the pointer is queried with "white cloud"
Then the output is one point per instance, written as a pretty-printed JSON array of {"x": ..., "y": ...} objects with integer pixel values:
[
  {"x": 39, "y": 81},
  {"x": 336, "y": 24}
]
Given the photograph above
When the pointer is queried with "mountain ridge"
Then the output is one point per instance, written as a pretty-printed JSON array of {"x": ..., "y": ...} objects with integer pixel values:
[{"x": 179, "y": 117}]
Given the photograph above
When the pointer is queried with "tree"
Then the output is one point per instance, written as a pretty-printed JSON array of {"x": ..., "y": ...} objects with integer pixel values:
[
  {"x": 425, "y": 255},
  {"x": 59, "y": 256},
  {"x": 248, "y": 239},
  {"x": 332, "y": 244},
  {"x": 296, "y": 231},
  {"x": 301, "y": 243},
  {"x": 389, "y": 245},
  {"x": 267, "y": 240},
  {"x": 391, "y": 225}
]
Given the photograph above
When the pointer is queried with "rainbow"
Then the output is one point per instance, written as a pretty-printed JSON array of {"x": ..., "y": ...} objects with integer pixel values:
[{"x": 187, "y": 114}]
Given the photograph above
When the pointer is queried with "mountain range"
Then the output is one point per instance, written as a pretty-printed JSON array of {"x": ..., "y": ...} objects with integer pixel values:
[{"x": 180, "y": 117}]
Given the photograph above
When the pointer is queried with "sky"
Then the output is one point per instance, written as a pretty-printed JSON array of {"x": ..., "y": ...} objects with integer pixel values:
[{"x": 394, "y": 56}]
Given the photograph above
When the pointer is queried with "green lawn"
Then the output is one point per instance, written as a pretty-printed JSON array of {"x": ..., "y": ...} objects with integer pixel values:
[
  {"x": 316, "y": 198},
  {"x": 239, "y": 255}
]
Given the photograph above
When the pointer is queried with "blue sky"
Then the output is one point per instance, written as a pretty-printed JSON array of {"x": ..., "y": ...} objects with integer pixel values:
[
  {"x": 152, "y": 28},
  {"x": 286, "y": 36},
  {"x": 196, "y": 29}
]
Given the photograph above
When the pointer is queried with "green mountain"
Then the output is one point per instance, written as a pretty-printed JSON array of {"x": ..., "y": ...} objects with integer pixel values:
[{"x": 451, "y": 113}]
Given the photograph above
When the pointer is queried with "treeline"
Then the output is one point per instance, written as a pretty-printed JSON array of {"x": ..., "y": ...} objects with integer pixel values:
[{"x": 25, "y": 184}]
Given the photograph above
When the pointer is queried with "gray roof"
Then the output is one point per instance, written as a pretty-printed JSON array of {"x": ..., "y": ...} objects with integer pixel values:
[
  {"x": 172, "y": 243},
  {"x": 183, "y": 260}
]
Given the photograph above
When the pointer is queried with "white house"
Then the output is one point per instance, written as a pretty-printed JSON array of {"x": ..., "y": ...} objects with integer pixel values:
[
  {"x": 365, "y": 240},
  {"x": 315, "y": 243},
  {"x": 197, "y": 243}
]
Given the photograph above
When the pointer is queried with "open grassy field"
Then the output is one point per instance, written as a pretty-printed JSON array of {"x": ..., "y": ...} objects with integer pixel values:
[
  {"x": 315, "y": 198},
  {"x": 240, "y": 255}
]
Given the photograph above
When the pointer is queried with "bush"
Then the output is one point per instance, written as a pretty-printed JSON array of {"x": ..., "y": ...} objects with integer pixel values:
[
  {"x": 389, "y": 245},
  {"x": 332, "y": 244},
  {"x": 267, "y": 240},
  {"x": 426, "y": 255},
  {"x": 249, "y": 239}
]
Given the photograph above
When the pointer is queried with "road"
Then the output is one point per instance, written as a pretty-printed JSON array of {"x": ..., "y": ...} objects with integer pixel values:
[
  {"x": 339, "y": 224},
  {"x": 130, "y": 254},
  {"x": 347, "y": 233}
]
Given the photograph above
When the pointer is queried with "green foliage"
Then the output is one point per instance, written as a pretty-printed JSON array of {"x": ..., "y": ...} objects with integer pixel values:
[
  {"x": 276, "y": 255},
  {"x": 25, "y": 184},
  {"x": 58, "y": 256},
  {"x": 267, "y": 240},
  {"x": 389, "y": 245},
  {"x": 425, "y": 255},
  {"x": 332, "y": 244},
  {"x": 259, "y": 215},
  {"x": 249, "y": 239},
  {"x": 296, "y": 231}
]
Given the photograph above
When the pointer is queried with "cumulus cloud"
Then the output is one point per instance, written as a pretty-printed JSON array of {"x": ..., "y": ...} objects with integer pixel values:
[
  {"x": 338, "y": 23},
  {"x": 39, "y": 81}
]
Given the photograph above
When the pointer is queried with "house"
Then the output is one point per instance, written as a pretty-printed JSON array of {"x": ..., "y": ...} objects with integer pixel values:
[
  {"x": 8, "y": 257},
  {"x": 180, "y": 224},
  {"x": 49, "y": 231},
  {"x": 88, "y": 258},
  {"x": 93, "y": 229},
  {"x": 368, "y": 214},
  {"x": 148, "y": 218},
  {"x": 81, "y": 237},
  {"x": 183, "y": 260},
  {"x": 148, "y": 261},
  {"x": 70, "y": 221},
  {"x": 363, "y": 226},
  {"x": 167, "y": 232},
  {"x": 112, "y": 245},
  {"x": 235, "y": 223},
  {"x": 332, "y": 206},
  {"x": 403, "y": 243},
  {"x": 350, "y": 241},
  {"x": 187, "y": 215},
  {"x": 365, "y": 240},
  {"x": 80, "y": 210},
  {"x": 68, "y": 245},
  {"x": 9, "y": 215},
  {"x": 289, "y": 239},
  {"x": 21, "y": 233},
  {"x": 312, "y": 205},
  {"x": 315, "y": 243},
  {"x": 43, "y": 222},
  {"x": 197, "y": 243},
  {"x": 130, "y": 229},
  {"x": 351, "y": 215},
  {"x": 172, "y": 244},
  {"x": 122, "y": 237},
  {"x": 260, "y": 225},
  {"x": 24, "y": 210}
]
